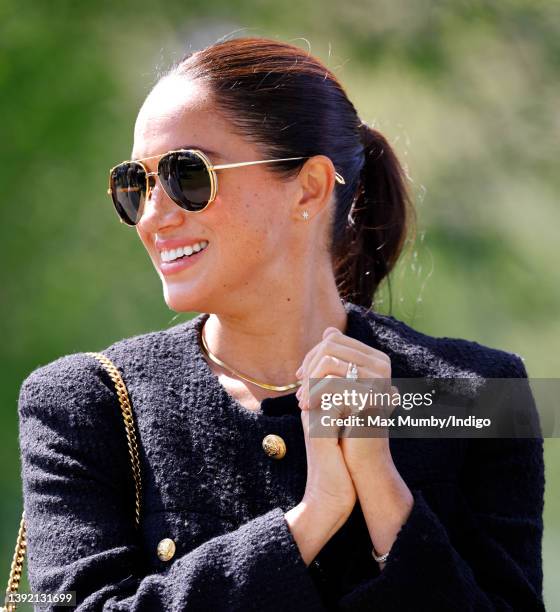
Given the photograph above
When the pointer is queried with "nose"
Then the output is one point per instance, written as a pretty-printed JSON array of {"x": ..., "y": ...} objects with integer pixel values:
[
  {"x": 158, "y": 209},
  {"x": 151, "y": 182}
]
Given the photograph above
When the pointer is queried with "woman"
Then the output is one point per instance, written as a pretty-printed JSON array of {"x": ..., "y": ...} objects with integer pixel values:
[{"x": 242, "y": 508}]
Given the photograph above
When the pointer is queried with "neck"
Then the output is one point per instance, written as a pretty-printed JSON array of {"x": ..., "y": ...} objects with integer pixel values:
[{"x": 269, "y": 344}]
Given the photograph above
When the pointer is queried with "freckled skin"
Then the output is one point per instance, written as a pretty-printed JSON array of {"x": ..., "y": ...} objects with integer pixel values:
[{"x": 258, "y": 245}]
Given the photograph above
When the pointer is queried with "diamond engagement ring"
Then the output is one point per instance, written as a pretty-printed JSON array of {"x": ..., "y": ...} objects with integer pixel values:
[{"x": 352, "y": 371}]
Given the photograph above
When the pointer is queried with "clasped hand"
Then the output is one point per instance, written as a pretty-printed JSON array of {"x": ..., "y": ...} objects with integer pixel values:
[{"x": 329, "y": 359}]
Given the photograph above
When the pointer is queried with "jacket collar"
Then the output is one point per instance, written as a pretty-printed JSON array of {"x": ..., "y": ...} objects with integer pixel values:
[
  {"x": 412, "y": 354},
  {"x": 199, "y": 374}
]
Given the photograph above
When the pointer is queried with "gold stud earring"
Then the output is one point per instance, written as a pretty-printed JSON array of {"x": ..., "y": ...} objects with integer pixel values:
[{"x": 305, "y": 215}]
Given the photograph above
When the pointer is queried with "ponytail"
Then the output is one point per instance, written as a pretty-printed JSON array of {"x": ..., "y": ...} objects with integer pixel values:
[{"x": 377, "y": 224}]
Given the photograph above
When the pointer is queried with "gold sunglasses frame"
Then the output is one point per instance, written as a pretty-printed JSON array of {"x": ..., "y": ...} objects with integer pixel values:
[{"x": 211, "y": 173}]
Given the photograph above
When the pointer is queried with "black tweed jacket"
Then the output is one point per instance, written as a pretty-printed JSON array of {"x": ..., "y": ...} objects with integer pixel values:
[{"x": 472, "y": 541}]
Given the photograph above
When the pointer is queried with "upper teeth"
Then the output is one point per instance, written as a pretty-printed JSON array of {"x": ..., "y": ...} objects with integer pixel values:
[{"x": 186, "y": 250}]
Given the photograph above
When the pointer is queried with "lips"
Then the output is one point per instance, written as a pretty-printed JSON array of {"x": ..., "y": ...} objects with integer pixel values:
[
  {"x": 182, "y": 263},
  {"x": 174, "y": 243}
]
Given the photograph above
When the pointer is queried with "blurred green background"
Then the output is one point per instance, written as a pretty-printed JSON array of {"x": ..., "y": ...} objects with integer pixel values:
[{"x": 467, "y": 92}]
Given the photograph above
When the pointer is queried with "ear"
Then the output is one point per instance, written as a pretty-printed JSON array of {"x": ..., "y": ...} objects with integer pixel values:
[{"x": 317, "y": 182}]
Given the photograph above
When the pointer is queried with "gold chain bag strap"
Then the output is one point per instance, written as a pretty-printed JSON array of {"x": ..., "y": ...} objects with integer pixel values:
[{"x": 126, "y": 410}]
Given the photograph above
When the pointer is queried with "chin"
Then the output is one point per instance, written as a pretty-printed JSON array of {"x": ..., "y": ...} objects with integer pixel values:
[
  {"x": 181, "y": 302},
  {"x": 187, "y": 300}
]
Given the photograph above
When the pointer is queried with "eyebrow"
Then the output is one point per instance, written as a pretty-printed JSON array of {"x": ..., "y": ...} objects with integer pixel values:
[{"x": 187, "y": 146}]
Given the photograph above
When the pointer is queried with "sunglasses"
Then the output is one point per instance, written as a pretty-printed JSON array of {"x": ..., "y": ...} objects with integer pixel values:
[{"x": 186, "y": 175}]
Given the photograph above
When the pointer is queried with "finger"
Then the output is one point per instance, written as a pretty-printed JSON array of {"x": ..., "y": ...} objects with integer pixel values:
[
  {"x": 353, "y": 342},
  {"x": 304, "y": 364},
  {"x": 335, "y": 335},
  {"x": 334, "y": 359},
  {"x": 380, "y": 399},
  {"x": 332, "y": 345},
  {"x": 307, "y": 426},
  {"x": 304, "y": 391},
  {"x": 341, "y": 356},
  {"x": 394, "y": 392},
  {"x": 323, "y": 385},
  {"x": 303, "y": 367},
  {"x": 331, "y": 332},
  {"x": 326, "y": 384},
  {"x": 332, "y": 367},
  {"x": 348, "y": 355}
]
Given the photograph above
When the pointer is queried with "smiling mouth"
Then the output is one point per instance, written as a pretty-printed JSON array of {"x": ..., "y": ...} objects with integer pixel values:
[{"x": 183, "y": 252}]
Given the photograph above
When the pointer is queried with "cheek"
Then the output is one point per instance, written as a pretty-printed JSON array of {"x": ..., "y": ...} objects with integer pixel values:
[
  {"x": 242, "y": 240},
  {"x": 244, "y": 225}
]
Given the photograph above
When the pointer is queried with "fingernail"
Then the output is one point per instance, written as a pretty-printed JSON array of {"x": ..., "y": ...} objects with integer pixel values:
[{"x": 298, "y": 373}]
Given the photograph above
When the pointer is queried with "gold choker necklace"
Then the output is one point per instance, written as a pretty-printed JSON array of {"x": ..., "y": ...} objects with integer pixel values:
[{"x": 247, "y": 378}]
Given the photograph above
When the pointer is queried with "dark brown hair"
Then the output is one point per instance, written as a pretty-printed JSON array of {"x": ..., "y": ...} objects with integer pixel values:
[{"x": 289, "y": 104}]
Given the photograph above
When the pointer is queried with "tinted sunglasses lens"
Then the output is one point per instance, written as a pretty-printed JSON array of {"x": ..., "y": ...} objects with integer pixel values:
[
  {"x": 186, "y": 179},
  {"x": 128, "y": 186}
]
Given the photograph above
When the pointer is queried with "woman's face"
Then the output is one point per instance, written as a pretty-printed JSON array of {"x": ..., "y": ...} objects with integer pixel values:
[{"x": 251, "y": 227}]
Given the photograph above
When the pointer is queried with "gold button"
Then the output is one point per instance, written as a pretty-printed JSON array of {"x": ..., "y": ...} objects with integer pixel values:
[
  {"x": 166, "y": 549},
  {"x": 274, "y": 446}
]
